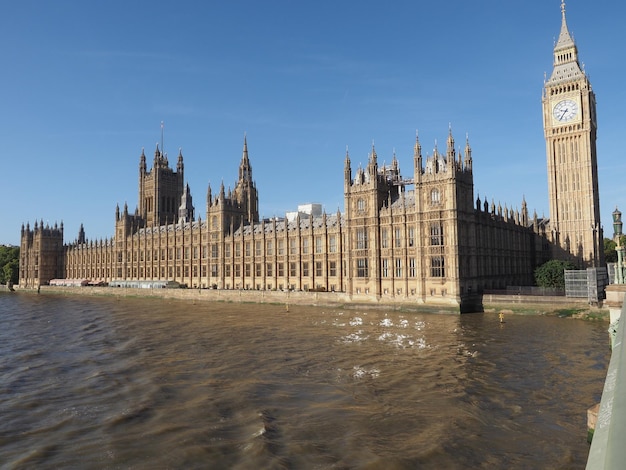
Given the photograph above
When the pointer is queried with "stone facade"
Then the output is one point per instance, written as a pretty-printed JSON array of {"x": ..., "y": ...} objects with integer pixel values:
[{"x": 424, "y": 238}]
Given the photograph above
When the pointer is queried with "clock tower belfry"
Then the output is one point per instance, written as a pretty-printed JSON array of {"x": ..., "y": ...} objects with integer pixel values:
[{"x": 569, "y": 122}]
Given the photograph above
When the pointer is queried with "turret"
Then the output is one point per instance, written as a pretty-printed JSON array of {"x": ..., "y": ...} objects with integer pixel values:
[
  {"x": 450, "y": 152},
  {"x": 468, "y": 154},
  {"x": 417, "y": 159},
  {"x": 347, "y": 172}
]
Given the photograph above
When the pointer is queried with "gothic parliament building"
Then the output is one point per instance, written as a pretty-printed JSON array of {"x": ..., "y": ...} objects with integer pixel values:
[{"x": 424, "y": 239}]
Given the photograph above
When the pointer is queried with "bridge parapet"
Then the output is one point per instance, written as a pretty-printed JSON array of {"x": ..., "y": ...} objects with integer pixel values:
[{"x": 607, "y": 449}]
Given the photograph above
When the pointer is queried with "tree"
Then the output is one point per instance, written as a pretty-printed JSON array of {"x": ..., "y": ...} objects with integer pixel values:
[
  {"x": 552, "y": 273},
  {"x": 610, "y": 255},
  {"x": 9, "y": 264}
]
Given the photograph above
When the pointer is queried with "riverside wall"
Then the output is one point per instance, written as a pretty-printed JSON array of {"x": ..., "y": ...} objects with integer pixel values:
[{"x": 521, "y": 303}]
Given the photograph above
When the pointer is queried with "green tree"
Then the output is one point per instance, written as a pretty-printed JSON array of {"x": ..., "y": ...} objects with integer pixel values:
[
  {"x": 552, "y": 273},
  {"x": 610, "y": 255},
  {"x": 9, "y": 264}
]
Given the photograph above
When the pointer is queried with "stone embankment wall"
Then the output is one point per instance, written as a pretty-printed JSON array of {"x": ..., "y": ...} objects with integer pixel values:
[{"x": 513, "y": 302}]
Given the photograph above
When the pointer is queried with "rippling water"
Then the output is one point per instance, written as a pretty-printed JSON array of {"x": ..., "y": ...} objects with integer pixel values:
[{"x": 144, "y": 383}]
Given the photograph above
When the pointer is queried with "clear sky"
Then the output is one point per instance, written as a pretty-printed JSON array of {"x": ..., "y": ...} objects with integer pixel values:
[{"x": 85, "y": 85}]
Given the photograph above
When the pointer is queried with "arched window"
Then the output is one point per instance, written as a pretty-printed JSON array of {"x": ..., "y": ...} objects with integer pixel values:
[{"x": 435, "y": 197}]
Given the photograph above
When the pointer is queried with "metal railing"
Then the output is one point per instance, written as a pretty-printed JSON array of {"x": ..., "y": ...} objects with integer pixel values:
[{"x": 607, "y": 449}]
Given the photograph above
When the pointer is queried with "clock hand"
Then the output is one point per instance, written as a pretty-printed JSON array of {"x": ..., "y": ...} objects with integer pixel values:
[{"x": 563, "y": 114}]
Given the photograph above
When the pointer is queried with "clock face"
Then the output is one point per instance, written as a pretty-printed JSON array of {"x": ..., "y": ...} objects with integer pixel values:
[{"x": 565, "y": 110}]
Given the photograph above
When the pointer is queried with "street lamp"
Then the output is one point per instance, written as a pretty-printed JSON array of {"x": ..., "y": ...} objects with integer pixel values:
[{"x": 617, "y": 235}]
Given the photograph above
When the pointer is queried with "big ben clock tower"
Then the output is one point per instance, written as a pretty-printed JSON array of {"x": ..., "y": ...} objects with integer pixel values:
[{"x": 569, "y": 122}]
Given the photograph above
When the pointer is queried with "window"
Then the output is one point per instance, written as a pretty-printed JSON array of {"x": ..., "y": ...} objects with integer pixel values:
[
  {"x": 257, "y": 270},
  {"x": 437, "y": 266},
  {"x": 247, "y": 269},
  {"x": 281, "y": 269},
  {"x": 226, "y": 250},
  {"x": 332, "y": 244},
  {"x": 257, "y": 248},
  {"x": 226, "y": 270},
  {"x": 318, "y": 244},
  {"x": 385, "y": 268},
  {"x": 318, "y": 268},
  {"x": 247, "y": 248},
  {"x": 398, "y": 268},
  {"x": 333, "y": 268},
  {"x": 361, "y": 267},
  {"x": 305, "y": 246},
  {"x": 360, "y": 205},
  {"x": 293, "y": 246},
  {"x": 292, "y": 269},
  {"x": 268, "y": 269},
  {"x": 436, "y": 234},
  {"x": 361, "y": 239},
  {"x": 186, "y": 252},
  {"x": 305, "y": 269},
  {"x": 384, "y": 240},
  {"x": 214, "y": 222},
  {"x": 397, "y": 240},
  {"x": 411, "y": 240},
  {"x": 435, "y": 197},
  {"x": 214, "y": 270},
  {"x": 237, "y": 270},
  {"x": 281, "y": 247},
  {"x": 179, "y": 253},
  {"x": 411, "y": 267},
  {"x": 270, "y": 248},
  {"x": 214, "y": 250}
]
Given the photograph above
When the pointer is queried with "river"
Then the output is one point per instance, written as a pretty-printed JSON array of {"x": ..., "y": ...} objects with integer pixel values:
[{"x": 157, "y": 384}]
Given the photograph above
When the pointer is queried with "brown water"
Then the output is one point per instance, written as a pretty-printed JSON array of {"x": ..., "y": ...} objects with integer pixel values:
[{"x": 152, "y": 384}]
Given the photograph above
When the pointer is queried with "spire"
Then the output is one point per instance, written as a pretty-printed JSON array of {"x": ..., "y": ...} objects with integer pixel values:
[
  {"x": 565, "y": 39},
  {"x": 450, "y": 146},
  {"x": 347, "y": 170},
  {"x": 566, "y": 66},
  {"x": 142, "y": 161},
  {"x": 417, "y": 158},
  {"x": 245, "y": 170},
  {"x": 417, "y": 149},
  {"x": 468, "y": 153},
  {"x": 180, "y": 166},
  {"x": 372, "y": 165},
  {"x": 186, "y": 209}
]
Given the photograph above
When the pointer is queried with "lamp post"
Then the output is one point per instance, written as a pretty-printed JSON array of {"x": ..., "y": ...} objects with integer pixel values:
[{"x": 617, "y": 235}]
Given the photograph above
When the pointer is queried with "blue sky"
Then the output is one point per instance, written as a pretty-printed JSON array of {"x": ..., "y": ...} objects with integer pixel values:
[{"x": 85, "y": 85}]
